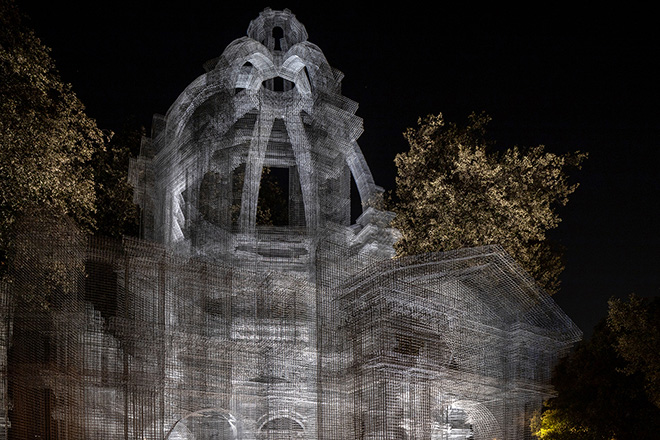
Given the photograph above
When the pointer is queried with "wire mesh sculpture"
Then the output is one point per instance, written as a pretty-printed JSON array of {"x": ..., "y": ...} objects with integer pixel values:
[{"x": 216, "y": 326}]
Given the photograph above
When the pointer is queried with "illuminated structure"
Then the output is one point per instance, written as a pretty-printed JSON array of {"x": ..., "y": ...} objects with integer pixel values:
[{"x": 218, "y": 327}]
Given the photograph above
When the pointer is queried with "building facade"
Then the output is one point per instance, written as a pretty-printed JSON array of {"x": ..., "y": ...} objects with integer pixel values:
[{"x": 239, "y": 318}]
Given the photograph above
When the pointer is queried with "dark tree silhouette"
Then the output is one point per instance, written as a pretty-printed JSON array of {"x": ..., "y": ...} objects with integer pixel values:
[{"x": 596, "y": 399}]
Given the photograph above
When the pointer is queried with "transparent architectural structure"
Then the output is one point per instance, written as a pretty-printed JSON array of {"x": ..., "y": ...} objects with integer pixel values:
[{"x": 225, "y": 322}]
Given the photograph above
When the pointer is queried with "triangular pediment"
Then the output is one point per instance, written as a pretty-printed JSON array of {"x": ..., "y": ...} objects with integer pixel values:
[{"x": 483, "y": 282}]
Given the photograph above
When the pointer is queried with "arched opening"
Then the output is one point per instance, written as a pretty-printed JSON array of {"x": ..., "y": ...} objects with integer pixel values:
[
  {"x": 211, "y": 424},
  {"x": 244, "y": 75},
  {"x": 278, "y": 84},
  {"x": 274, "y": 195},
  {"x": 278, "y": 34},
  {"x": 281, "y": 428},
  {"x": 279, "y": 202},
  {"x": 458, "y": 424},
  {"x": 465, "y": 420},
  {"x": 408, "y": 345}
]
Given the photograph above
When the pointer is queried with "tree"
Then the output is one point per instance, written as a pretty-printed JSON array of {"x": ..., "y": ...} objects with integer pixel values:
[
  {"x": 595, "y": 398},
  {"x": 116, "y": 213},
  {"x": 453, "y": 191},
  {"x": 46, "y": 139},
  {"x": 636, "y": 328}
]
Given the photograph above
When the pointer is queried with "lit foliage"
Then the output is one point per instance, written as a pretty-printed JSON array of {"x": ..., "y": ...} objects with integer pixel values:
[
  {"x": 636, "y": 326},
  {"x": 453, "y": 192},
  {"x": 44, "y": 273},
  {"x": 552, "y": 425},
  {"x": 46, "y": 140},
  {"x": 595, "y": 399}
]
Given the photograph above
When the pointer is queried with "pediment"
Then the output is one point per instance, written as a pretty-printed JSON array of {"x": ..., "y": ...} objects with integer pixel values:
[{"x": 483, "y": 282}]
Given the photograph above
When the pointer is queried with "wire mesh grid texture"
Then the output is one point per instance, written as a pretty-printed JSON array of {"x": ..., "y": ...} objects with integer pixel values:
[{"x": 235, "y": 319}]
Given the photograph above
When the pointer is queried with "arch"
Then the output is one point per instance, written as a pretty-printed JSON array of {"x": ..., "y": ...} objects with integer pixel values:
[
  {"x": 245, "y": 65},
  {"x": 235, "y": 57},
  {"x": 320, "y": 72},
  {"x": 238, "y": 54},
  {"x": 261, "y": 28},
  {"x": 362, "y": 175},
  {"x": 294, "y": 69},
  {"x": 467, "y": 419},
  {"x": 278, "y": 35},
  {"x": 281, "y": 425},
  {"x": 206, "y": 424}
]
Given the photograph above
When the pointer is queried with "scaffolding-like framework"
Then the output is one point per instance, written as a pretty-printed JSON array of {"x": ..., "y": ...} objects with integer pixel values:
[{"x": 216, "y": 326}]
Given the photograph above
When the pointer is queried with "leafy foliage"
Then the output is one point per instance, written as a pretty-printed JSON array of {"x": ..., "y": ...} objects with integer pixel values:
[
  {"x": 116, "y": 214},
  {"x": 595, "y": 399},
  {"x": 454, "y": 192},
  {"x": 636, "y": 327},
  {"x": 553, "y": 425},
  {"x": 47, "y": 261},
  {"x": 46, "y": 140}
]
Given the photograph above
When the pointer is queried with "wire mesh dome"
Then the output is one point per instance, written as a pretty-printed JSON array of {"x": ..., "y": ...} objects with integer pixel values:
[{"x": 238, "y": 318}]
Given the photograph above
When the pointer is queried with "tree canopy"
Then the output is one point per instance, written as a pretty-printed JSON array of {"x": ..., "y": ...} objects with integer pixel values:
[
  {"x": 453, "y": 191},
  {"x": 603, "y": 390},
  {"x": 46, "y": 139},
  {"x": 636, "y": 327},
  {"x": 116, "y": 214}
]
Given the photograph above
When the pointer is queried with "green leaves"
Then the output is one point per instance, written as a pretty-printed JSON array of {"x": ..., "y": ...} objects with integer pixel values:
[{"x": 454, "y": 192}]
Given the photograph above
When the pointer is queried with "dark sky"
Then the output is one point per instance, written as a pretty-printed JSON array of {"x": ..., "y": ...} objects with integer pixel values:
[{"x": 571, "y": 79}]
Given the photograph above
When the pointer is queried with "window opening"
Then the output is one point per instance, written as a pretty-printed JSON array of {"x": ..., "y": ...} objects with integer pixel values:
[
  {"x": 245, "y": 71},
  {"x": 101, "y": 287},
  {"x": 278, "y": 84},
  {"x": 278, "y": 34},
  {"x": 273, "y": 204}
]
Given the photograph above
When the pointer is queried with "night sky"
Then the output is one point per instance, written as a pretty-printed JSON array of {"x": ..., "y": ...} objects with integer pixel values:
[{"x": 567, "y": 78}]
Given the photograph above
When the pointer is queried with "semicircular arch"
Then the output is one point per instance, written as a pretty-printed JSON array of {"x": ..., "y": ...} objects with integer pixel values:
[
  {"x": 205, "y": 424},
  {"x": 281, "y": 424},
  {"x": 482, "y": 422}
]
